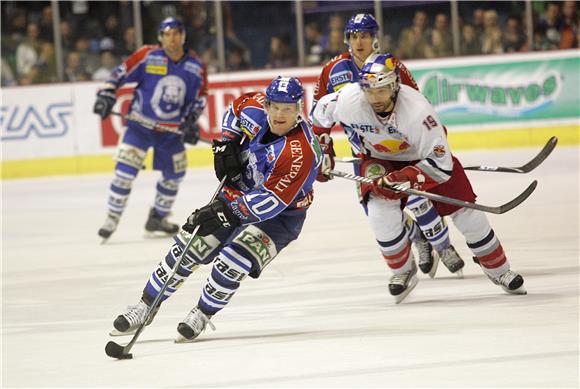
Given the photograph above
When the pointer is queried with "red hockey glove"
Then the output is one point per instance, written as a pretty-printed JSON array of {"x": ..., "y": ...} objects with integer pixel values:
[
  {"x": 328, "y": 155},
  {"x": 408, "y": 177}
]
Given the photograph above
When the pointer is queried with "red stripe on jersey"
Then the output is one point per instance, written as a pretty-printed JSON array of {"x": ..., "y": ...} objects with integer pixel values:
[
  {"x": 138, "y": 56},
  {"x": 398, "y": 260},
  {"x": 292, "y": 167},
  {"x": 494, "y": 259},
  {"x": 251, "y": 99},
  {"x": 405, "y": 74}
]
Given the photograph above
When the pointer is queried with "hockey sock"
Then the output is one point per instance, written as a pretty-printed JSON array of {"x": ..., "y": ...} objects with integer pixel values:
[
  {"x": 431, "y": 224},
  {"x": 120, "y": 188},
  {"x": 229, "y": 269},
  {"x": 165, "y": 195},
  {"x": 489, "y": 252},
  {"x": 164, "y": 268},
  {"x": 396, "y": 252}
]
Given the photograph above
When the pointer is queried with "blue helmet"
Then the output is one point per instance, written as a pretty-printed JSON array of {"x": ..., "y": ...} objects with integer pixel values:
[
  {"x": 285, "y": 90},
  {"x": 362, "y": 23},
  {"x": 380, "y": 70},
  {"x": 169, "y": 23}
]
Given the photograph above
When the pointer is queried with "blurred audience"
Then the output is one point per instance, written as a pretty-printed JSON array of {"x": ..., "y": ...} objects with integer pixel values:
[{"x": 97, "y": 36}]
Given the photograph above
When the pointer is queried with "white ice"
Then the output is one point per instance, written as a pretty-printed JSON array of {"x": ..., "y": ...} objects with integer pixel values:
[{"x": 321, "y": 314}]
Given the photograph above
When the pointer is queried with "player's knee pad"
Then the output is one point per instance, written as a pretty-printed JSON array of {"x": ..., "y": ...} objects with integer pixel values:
[
  {"x": 255, "y": 245},
  {"x": 130, "y": 155},
  {"x": 202, "y": 250}
]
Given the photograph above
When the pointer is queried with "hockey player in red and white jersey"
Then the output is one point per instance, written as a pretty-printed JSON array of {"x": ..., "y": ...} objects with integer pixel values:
[
  {"x": 361, "y": 37},
  {"x": 403, "y": 141}
]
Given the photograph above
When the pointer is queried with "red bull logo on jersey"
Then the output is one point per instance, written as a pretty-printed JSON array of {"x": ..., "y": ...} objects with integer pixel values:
[{"x": 391, "y": 146}]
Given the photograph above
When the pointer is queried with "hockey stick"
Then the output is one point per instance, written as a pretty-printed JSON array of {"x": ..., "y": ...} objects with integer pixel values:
[
  {"x": 528, "y": 167},
  {"x": 115, "y": 350},
  {"x": 152, "y": 125},
  {"x": 444, "y": 199}
]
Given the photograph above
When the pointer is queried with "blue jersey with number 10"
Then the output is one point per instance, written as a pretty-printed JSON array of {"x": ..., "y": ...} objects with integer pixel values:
[{"x": 278, "y": 174}]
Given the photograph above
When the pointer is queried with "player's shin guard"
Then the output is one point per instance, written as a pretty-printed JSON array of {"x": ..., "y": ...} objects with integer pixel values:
[
  {"x": 121, "y": 188},
  {"x": 229, "y": 269},
  {"x": 166, "y": 192},
  {"x": 164, "y": 268},
  {"x": 431, "y": 224}
]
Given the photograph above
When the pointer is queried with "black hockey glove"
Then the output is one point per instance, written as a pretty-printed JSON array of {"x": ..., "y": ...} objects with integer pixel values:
[
  {"x": 227, "y": 160},
  {"x": 210, "y": 218},
  {"x": 190, "y": 129},
  {"x": 106, "y": 99}
]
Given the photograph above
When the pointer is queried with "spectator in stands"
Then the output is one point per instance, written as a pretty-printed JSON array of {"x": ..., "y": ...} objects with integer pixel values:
[
  {"x": 112, "y": 28},
  {"x": 514, "y": 38},
  {"x": 89, "y": 60},
  {"x": 45, "y": 24},
  {"x": 549, "y": 26},
  {"x": 67, "y": 37},
  {"x": 237, "y": 59},
  {"x": 470, "y": 41},
  {"x": 46, "y": 64},
  {"x": 437, "y": 47},
  {"x": 314, "y": 49},
  {"x": 7, "y": 74},
  {"x": 477, "y": 21},
  {"x": 569, "y": 26},
  {"x": 129, "y": 44},
  {"x": 280, "y": 52},
  {"x": 335, "y": 45},
  {"x": 442, "y": 26},
  {"x": 491, "y": 42},
  {"x": 108, "y": 63},
  {"x": 74, "y": 69},
  {"x": 27, "y": 51},
  {"x": 415, "y": 39}
]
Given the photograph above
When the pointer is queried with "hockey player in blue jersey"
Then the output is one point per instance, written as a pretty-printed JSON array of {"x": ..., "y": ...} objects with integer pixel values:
[
  {"x": 258, "y": 213},
  {"x": 171, "y": 90},
  {"x": 361, "y": 36}
]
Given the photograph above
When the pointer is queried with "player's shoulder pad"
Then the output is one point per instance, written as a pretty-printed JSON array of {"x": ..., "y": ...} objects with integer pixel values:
[{"x": 250, "y": 99}]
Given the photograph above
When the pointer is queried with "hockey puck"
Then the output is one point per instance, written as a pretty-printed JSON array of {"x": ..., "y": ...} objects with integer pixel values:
[{"x": 114, "y": 350}]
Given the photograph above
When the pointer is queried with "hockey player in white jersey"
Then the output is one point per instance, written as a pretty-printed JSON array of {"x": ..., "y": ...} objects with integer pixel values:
[{"x": 402, "y": 141}]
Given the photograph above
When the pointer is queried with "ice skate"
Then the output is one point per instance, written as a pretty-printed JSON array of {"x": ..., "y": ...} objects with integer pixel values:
[
  {"x": 511, "y": 282},
  {"x": 157, "y": 224},
  {"x": 128, "y": 322},
  {"x": 427, "y": 260},
  {"x": 452, "y": 260},
  {"x": 192, "y": 326},
  {"x": 402, "y": 284},
  {"x": 109, "y": 226}
]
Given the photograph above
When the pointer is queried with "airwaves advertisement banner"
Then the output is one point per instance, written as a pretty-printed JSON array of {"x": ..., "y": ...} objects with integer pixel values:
[{"x": 537, "y": 87}]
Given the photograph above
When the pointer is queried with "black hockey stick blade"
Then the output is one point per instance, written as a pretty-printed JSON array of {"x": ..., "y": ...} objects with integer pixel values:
[
  {"x": 444, "y": 199},
  {"x": 528, "y": 167},
  {"x": 117, "y": 351}
]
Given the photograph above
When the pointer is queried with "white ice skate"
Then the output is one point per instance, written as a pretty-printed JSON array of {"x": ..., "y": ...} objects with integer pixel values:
[
  {"x": 128, "y": 322},
  {"x": 109, "y": 226},
  {"x": 402, "y": 284},
  {"x": 192, "y": 326},
  {"x": 452, "y": 260},
  {"x": 511, "y": 282}
]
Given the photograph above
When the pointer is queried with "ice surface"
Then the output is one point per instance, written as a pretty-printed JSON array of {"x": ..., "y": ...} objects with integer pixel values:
[{"x": 321, "y": 314}]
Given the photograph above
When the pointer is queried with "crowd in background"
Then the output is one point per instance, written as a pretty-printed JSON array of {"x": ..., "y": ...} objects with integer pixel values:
[{"x": 97, "y": 36}]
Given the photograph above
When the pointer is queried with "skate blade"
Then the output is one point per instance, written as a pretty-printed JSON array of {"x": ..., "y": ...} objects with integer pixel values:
[
  {"x": 520, "y": 290},
  {"x": 157, "y": 235},
  {"x": 459, "y": 273},
  {"x": 399, "y": 298},
  {"x": 435, "y": 266},
  {"x": 115, "y": 332},
  {"x": 180, "y": 339}
]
